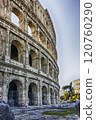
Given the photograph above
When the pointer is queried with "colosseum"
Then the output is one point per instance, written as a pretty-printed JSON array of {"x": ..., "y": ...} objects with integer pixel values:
[{"x": 28, "y": 55}]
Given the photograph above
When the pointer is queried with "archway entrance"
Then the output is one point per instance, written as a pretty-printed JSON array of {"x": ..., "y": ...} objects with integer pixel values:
[
  {"x": 32, "y": 94},
  {"x": 13, "y": 94},
  {"x": 44, "y": 96}
]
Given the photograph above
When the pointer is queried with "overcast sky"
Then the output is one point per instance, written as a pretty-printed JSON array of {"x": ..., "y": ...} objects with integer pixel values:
[{"x": 65, "y": 15}]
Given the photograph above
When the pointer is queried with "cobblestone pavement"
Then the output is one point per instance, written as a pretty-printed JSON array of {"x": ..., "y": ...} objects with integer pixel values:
[{"x": 26, "y": 114}]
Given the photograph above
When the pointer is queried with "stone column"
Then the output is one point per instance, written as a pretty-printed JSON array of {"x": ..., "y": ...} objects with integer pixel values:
[
  {"x": 5, "y": 89},
  {"x": 1, "y": 85},
  {"x": 37, "y": 34},
  {"x": 1, "y": 46},
  {"x": 39, "y": 61},
  {"x": 54, "y": 96},
  {"x": 24, "y": 95},
  {"x": 53, "y": 72},
  {"x": 57, "y": 77},
  {"x": 1, "y": 90},
  {"x": 25, "y": 23},
  {"x": 26, "y": 55},
  {"x": 40, "y": 93},
  {"x": 21, "y": 56},
  {"x": 26, "y": 91},
  {"x": 58, "y": 97},
  {"x": 5, "y": 9},
  {"x": 9, "y": 10},
  {"x": 7, "y": 47},
  {"x": 45, "y": 42},
  {"x": 49, "y": 97},
  {"x": 48, "y": 67},
  {"x": 21, "y": 22}
]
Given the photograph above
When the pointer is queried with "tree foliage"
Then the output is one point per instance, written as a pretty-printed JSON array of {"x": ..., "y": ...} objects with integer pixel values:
[
  {"x": 69, "y": 95},
  {"x": 66, "y": 87}
]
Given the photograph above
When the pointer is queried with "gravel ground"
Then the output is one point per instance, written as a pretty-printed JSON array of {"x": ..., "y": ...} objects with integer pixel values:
[{"x": 25, "y": 114}]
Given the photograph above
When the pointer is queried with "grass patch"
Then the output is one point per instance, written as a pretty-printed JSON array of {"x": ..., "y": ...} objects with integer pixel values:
[{"x": 63, "y": 112}]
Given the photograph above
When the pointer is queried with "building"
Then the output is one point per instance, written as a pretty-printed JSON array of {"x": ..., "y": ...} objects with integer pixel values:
[
  {"x": 28, "y": 55},
  {"x": 76, "y": 86}
]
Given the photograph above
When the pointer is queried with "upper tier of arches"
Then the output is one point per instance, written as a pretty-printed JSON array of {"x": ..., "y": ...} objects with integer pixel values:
[{"x": 31, "y": 27}]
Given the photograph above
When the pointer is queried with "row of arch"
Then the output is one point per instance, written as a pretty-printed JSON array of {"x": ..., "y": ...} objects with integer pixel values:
[
  {"x": 17, "y": 52},
  {"x": 17, "y": 19},
  {"x": 15, "y": 94}
]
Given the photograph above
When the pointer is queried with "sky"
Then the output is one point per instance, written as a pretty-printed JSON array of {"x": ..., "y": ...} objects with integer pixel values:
[{"x": 65, "y": 15}]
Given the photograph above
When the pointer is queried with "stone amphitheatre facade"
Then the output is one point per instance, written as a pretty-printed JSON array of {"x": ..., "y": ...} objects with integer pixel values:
[{"x": 28, "y": 60}]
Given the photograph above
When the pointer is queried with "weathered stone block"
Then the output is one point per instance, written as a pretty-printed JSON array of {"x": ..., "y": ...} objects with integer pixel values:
[{"x": 5, "y": 111}]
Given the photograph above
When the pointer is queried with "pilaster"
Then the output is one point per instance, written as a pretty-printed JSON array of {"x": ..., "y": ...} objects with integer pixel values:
[
  {"x": 39, "y": 61},
  {"x": 40, "y": 93},
  {"x": 7, "y": 47},
  {"x": 5, "y": 90},
  {"x": 26, "y": 54},
  {"x": 48, "y": 67},
  {"x": 26, "y": 92},
  {"x": 49, "y": 96}
]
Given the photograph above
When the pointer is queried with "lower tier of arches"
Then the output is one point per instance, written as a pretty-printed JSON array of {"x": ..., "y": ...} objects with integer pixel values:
[{"x": 27, "y": 92}]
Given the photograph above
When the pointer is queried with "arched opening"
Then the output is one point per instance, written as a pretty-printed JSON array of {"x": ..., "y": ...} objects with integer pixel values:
[
  {"x": 50, "y": 69},
  {"x": 16, "y": 51},
  {"x": 48, "y": 45},
  {"x": 51, "y": 96},
  {"x": 15, "y": 93},
  {"x": 31, "y": 29},
  {"x": 17, "y": 18},
  {"x": 30, "y": 60},
  {"x": 42, "y": 39},
  {"x": 32, "y": 94},
  {"x": 33, "y": 59},
  {"x": 43, "y": 65},
  {"x": 44, "y": 96}
]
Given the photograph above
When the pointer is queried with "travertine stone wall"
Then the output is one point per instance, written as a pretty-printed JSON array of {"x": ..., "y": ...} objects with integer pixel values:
[{"x": 27, "y": 61}]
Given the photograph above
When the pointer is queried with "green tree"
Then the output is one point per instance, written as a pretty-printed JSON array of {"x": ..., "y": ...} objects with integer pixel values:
[{"x": 69, "y": 95}]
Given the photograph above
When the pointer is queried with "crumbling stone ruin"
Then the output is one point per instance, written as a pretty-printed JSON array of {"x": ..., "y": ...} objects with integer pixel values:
[{"x": 28, "y": 55}]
